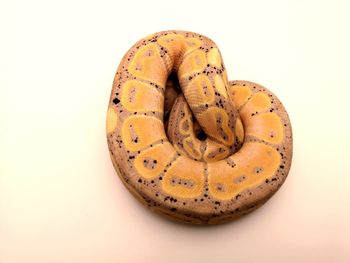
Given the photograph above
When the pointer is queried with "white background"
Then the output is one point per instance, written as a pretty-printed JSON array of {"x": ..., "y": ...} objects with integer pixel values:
[{"x": 60, "y": 200}]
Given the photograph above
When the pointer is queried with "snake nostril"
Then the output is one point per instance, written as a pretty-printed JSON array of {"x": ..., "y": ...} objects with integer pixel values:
[{"x": 201, "y": 135}]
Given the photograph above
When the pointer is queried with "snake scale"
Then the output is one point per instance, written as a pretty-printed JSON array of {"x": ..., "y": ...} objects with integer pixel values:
[{"x": 188, "y": 143}]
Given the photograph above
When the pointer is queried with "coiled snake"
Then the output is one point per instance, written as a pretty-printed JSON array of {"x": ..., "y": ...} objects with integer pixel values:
[{"x": 188, "y": 143}]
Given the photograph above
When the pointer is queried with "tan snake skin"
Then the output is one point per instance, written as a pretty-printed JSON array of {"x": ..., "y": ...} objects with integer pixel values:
[{"x": 188, "y": 143}]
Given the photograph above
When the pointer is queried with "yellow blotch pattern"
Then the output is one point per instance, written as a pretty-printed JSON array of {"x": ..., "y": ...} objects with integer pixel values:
[
  {"x": 145, "y": 97},
  {"x": 225, "y": 78},
  {"x": 258, "y": 102},
  {"x": 186, "y": 169},
  {"x": 267, "y": 126},
  {"x": 147, "y": 129},
  {"x": 172, "y": 42},
  {"x": 213, "y": 147},
  {"x": 220, "y": 85},
  {"x": 193, "y": 63},
  {"x": 239, "y": 94},
  {"x": 239, "y": 130},
  {"x": 147, "y": 64},
  {"x": 191, "y": 43},
  {"x": 214, "y": 57},
  {"x": 200, "y": 91},
  {"x": 185, "y": 122},
  {"x": 193, "y": 151},
  {"x": 112, "y": 120},
  {"x": 262, "y": 163},
  {"x": 162, "y": 153},
  {"x": 210, "y": 116}
]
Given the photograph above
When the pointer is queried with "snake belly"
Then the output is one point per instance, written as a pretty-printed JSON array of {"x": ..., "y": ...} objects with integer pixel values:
[{"x": 188, "y": 143}]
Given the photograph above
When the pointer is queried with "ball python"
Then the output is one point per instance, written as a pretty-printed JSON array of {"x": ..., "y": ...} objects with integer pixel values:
[{"x": 188, "y": 143}]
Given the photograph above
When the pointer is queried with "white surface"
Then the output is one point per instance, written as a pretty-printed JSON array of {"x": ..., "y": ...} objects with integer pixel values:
[{"x": 60, "y": 200}]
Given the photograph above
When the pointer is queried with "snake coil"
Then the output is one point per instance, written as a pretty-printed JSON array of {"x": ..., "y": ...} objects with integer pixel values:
[{"x": 188, "y": 143}]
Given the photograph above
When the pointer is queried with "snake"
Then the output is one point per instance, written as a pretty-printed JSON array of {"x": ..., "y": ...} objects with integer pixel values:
[{"x": 188, "y": 143}]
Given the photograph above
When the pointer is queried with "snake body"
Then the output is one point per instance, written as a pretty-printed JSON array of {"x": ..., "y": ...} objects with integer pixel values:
[{"x": 188, "y": 143}]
